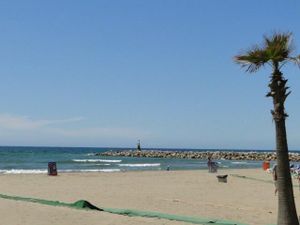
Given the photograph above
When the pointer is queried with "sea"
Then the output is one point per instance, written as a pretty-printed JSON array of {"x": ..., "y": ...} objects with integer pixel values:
[{"x": 34, "y": 160}]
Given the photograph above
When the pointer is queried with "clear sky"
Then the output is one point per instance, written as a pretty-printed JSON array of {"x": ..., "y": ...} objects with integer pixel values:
[{"x": 107, "y": 73}]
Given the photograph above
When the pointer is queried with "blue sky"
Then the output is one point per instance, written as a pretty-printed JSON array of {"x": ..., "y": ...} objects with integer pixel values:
[{"x": 107, "y": 73}]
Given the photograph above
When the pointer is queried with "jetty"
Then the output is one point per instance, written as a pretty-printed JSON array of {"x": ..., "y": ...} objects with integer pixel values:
[{"x": 216, "y": 155}]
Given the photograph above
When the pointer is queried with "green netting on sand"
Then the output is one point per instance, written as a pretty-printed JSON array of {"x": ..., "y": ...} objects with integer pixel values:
[
  {"x": 82, "y": 204},
  {"x": 251, "y": 178},
  {"x": 187, "y": 219},
  {"x": 256, "y": 179}
]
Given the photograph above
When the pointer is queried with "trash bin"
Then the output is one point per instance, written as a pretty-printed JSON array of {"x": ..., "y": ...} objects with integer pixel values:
[
  {"x": 222, "y": 178},
  {"x": 52, "y": 169},
  {"x": 266, "y": 165}
]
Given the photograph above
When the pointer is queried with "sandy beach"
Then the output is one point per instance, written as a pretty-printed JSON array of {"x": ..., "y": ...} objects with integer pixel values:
[{"x": 190, "y": 193}]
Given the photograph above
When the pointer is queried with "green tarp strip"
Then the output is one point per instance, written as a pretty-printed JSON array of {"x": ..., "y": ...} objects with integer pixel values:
[
  {"x": 187, "y": 219},
  {"x": 82, "y": 204}
]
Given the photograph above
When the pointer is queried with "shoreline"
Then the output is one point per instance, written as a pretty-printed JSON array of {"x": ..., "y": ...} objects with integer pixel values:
[
  {"x": 127, "y": 171},
  {"x": 120, "y": 171}
]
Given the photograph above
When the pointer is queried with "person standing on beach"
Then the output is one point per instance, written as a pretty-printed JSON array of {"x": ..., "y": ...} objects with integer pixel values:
[
  {"x": 274, "y": 173},
  {"x": 209, "y": 163},
  {"x": 212, "y": 166}
]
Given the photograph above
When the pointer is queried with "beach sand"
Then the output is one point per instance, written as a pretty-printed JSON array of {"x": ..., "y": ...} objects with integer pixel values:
[{"x": 190, "y": 193}]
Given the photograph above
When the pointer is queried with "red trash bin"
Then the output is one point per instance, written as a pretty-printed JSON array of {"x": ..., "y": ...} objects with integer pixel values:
[{"x": 52, "y": 169}]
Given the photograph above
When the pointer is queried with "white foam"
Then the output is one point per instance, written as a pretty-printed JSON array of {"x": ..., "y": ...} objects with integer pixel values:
[
  {"x": 239, "y": 162},
  {"x": 202, "y": 163},
  {"x": 23, "y": 171},
  {"x": 96, "y": 160},
  {"x": 102, "y": 164},
  {"x": 110, "y": 170},
  {"x": 38, "y": 171},
  {"x": 224, "y": 166},
  {"x": 139, "y": 165},
  {"x": 92, "y": 170}
]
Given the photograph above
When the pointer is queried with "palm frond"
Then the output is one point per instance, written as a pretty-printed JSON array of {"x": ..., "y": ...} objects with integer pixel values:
[
  {"x": 276, "y": 50},
  {"x": 295, "y": 60},
  {"x": 252, "y": 59},
  {"x": 278, "y": 47}
]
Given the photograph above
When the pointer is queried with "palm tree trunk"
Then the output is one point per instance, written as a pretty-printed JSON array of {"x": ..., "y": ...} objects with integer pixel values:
[{"x": 287, "y": 214}]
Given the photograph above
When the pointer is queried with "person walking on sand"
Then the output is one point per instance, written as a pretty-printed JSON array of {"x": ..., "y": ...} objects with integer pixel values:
[{"x": 274, "y": 173}]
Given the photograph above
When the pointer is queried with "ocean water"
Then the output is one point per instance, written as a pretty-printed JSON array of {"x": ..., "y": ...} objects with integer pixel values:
[{"x": 19, "y": 160}]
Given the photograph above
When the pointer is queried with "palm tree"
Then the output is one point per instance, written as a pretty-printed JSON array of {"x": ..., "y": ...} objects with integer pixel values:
[{"x": 276, "y": 51}]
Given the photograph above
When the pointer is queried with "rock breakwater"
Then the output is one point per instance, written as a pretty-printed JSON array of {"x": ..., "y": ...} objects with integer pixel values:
[{"x": 217, "y": 155}]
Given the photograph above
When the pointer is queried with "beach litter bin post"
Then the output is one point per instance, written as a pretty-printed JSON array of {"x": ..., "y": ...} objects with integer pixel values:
[
  {"x": 52, "y": 169},
  {"x": 222, "y": 178},
  {"x": 266, "y": 165}
]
